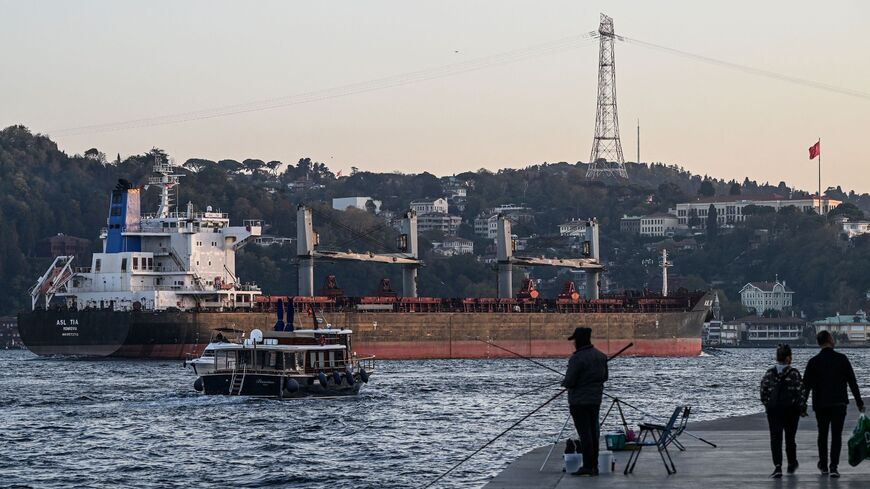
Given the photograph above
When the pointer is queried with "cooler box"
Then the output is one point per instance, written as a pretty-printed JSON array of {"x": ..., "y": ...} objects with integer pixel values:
[{"x": 615, "y": 441}]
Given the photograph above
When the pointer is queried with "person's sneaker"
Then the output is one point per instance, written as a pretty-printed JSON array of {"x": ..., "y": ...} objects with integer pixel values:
[
  {"x": 792, "y": 468},
  {"x": 835, "y": 474},
  {"x": 584, "y": 472},
  {"x": 777, "y": 472},
  {"x": 823, "y": 468}
]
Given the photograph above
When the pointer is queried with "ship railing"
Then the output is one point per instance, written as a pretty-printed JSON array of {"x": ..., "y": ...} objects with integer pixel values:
[
  {"x": 82, "y": 269},
  {"x": 367, "y": 362}
]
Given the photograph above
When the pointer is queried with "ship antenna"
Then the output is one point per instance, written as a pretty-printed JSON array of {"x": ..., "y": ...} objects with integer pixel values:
[{"x": 164, "y": 176}]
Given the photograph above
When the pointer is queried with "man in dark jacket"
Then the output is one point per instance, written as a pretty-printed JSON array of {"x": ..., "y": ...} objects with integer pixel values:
[
  {"x": 585, "y": 378},
  {"x": 826, "y": 376}
]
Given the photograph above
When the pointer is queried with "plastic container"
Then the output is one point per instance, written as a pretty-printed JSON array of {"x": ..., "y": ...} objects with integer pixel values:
[
  {"x": 605, "y": 461},
  {"x": 615, "y": 441},
  {"x": 573, "y": 462}
]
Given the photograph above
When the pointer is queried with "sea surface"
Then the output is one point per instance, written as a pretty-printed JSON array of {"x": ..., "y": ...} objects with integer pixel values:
[{"x": 136, "y": 423}]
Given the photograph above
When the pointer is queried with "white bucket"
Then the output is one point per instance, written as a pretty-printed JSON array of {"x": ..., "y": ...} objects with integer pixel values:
[
  {"x": 605, "y": 458},
  {"x": 573, "y": 462}
]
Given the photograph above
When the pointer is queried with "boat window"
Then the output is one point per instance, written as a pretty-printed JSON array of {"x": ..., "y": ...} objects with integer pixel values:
[
  {"x": 123, "y": 264},
  {"x": 135, "y": 263},
  {"x": 332, "y": 359},
  {"x": 97, "y": 264}
]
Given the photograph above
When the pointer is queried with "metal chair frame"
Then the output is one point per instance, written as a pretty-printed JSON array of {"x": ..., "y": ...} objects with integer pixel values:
[{"x": 662, "y": 436}]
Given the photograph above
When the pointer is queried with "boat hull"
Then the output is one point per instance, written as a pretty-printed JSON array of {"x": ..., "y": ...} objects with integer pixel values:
[
  {"x": 266, "y": 385},
  {"x": 387, "y": 335}
]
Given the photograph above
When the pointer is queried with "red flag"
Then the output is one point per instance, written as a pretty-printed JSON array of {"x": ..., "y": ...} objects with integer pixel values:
[
  {"x": 815, "y": 150},
  {"x": 339, "y": 173}
]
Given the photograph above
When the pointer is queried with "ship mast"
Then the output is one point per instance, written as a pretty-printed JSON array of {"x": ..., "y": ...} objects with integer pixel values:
[
  {"x": 164, "y": 176},
  {"x": 665, "y": 265}
]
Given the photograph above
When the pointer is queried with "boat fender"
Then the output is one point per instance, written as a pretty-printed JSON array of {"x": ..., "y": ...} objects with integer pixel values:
[
  {"x": 336, "y": 377},
  {"x": 348, "y": 374},
  {"x": 292, "y": 385},
  {"x": 197, "y": 384},
  {"x": 322, "y": 378},
  {"x": 363, "y": 375}
]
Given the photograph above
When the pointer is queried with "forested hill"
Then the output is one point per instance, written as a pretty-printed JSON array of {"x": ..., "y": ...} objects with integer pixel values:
[{"x": 44, "y": 191}]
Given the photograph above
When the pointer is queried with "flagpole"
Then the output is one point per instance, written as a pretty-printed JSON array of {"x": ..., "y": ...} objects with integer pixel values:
[{"x": 820, "y": 175}]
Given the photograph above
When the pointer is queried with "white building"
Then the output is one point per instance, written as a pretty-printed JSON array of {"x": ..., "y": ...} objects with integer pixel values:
[
  {"x": 763, "y": 296},
  {"x": 454, "y": 245},
  {"x": 659, "y": 224},
  {"x": 429, "y": 206},
  {"x": 510, "y": 208},
  {"x": 486, "y": 225},
  {"x": 342, "y": 203},
  {"x": 855, "y": 228},
  {"x": 438, "y": 221},
  {"x": 574, "y": 227},
  {"x": 729, "y": 208}
]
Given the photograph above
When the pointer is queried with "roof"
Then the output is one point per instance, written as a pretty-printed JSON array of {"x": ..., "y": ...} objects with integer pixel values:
[
  {"x": 659, "y": 214},
  {"x": 753, "y": 319},
  {"x": 457, "y": 239},
  {"x": 736, "y": 198},
  {"x": 766, "y": 286}
]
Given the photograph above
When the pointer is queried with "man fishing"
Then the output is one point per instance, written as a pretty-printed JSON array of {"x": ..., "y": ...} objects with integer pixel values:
[{"x": 584, "y": 379}]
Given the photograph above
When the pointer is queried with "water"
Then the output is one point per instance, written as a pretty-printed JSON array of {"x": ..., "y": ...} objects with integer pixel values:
[{"x": 113, "y": 423}]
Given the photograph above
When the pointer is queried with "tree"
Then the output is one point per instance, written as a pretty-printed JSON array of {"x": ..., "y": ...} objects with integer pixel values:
[
  {"x": 847, "y": 210},
  {"x": 693, "y": 220},
  {"x": 707, "y": 189},
  {"x": 712, "y": 222},
  {"x": 735, "y": 189}
]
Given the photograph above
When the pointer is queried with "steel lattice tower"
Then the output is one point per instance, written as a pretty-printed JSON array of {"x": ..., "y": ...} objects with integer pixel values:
[{"x": 606, "y": 158}]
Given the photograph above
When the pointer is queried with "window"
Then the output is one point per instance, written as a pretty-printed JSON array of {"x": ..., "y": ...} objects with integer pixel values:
[
  {"x": 97, "y": 264},
  {"x": 135, "y": 263},
  {"x": 123, "y": 264},
  {"x": 116, "y": 198},
  {"x": 116, "y": 211}
]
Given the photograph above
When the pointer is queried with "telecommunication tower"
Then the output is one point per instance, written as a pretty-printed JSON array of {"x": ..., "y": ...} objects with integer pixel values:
[{"x": 606, "y": 158}]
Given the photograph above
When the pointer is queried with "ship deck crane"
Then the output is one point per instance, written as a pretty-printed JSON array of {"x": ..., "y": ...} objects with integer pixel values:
[
  {"x": 506, "y": 259},
  {"x": 306, "y": 253}
]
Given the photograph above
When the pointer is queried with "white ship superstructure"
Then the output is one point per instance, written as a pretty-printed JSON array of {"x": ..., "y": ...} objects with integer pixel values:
[{"x": 170, "y": 259}]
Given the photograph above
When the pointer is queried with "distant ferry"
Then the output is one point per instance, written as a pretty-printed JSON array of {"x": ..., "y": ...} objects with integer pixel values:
[{"x": 165, "y": 282}]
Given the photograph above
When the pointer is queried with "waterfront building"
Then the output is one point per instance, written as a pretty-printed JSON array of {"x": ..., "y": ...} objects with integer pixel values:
[
  {"x": 766, "y": 296},
  {"x": 854, "y": 327},
  {"x": 9, "y": 337},
  {"x": 767, "y": 331}
]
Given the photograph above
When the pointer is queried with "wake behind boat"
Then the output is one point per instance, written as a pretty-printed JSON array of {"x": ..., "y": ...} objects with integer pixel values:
[{"x": 284, "y": 365}]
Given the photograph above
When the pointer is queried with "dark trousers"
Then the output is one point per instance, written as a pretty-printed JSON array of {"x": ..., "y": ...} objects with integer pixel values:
[
  {"x": 586, "y": 422},
  {"x": 783, "y": 421},
  {"x": 833, "y": 418}
]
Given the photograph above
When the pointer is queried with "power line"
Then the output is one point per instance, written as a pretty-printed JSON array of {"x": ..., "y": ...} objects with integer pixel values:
[
  {"x": 509, "y": 57},
  {"x": 750, "y": 70}
]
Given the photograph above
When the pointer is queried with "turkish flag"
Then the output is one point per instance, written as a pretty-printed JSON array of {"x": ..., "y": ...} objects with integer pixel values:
[{"x": 815, "y": 150}]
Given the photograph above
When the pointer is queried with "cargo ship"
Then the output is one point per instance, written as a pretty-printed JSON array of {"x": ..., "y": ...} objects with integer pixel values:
[{"x": 164, "y": 282}]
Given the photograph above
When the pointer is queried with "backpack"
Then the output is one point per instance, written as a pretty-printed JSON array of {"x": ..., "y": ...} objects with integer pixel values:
[{"x": 781, "y": 396}]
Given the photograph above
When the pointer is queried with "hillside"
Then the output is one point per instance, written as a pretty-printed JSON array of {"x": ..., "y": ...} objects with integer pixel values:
[{"x": 44, "y": 191}]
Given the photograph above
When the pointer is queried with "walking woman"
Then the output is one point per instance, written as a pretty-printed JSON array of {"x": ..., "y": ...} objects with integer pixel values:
[{"x": 783, "y": 399}]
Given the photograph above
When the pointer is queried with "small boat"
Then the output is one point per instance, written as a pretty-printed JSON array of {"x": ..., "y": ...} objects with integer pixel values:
[
  {"x": 204, "y": 363},
  {"x": 284, "y": 365}
]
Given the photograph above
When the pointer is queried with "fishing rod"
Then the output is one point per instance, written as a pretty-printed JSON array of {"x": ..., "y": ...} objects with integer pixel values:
[
  {"x": 606, "y": 394},
  {"x": 490, "y": 442}
]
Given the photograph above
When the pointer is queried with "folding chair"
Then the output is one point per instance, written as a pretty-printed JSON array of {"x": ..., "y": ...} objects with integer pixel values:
[
  {"x": 678, "y": 429},
  {"x": 661, "y": 438}
]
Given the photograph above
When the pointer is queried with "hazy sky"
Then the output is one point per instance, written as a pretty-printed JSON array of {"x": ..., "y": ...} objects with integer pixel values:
[{"x": 72, "y": 64}]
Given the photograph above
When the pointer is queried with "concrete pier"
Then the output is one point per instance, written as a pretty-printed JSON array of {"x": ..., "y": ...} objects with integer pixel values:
[{"x": 742, "y": 460}]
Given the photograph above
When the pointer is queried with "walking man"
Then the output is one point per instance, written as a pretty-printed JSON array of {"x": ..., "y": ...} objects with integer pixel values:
[
  {"x": 585, "y": 378},
  {"x": 784, "y": 402},
  {"x": 826, "y": 376}
]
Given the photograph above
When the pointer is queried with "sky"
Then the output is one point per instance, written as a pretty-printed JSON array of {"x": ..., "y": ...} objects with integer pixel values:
[{"x": 69, "y": 65}]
